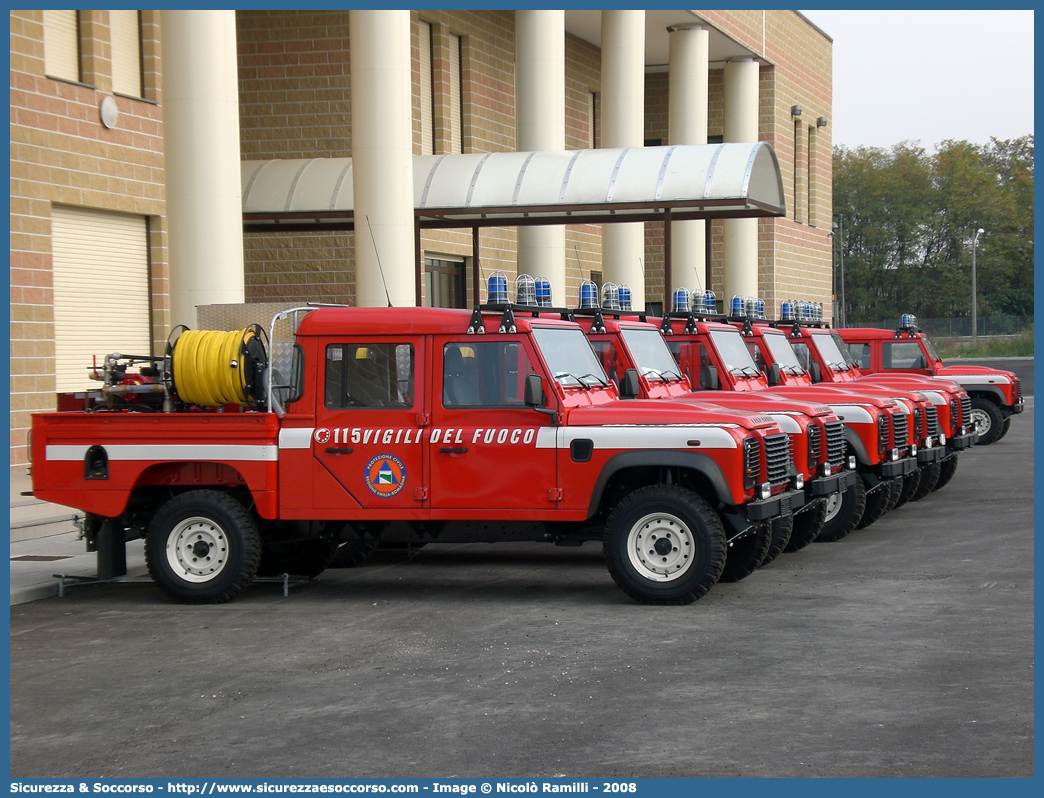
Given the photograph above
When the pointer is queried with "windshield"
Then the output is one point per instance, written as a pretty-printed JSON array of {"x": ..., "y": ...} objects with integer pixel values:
[
  {"x": 651, "y": 355},
  {"x": 568, "y": 354},
  {"x": 844, "y": 349},
  {"x": 783, "y": 353},
  {"x": 829, "y": 352},
  {"x": 931, "y": 349},
  {"x": 733, "y": 352}
]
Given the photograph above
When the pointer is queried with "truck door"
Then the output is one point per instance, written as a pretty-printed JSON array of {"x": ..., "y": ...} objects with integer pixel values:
[
  {"x": 370, "y": 424},
  {"x": 489, "y": 451}
]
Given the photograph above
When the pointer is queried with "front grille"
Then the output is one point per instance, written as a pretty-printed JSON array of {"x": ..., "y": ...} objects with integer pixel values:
[
  {"x": 933, "y": 422},
  {"x": 965, "y": 410},
  {"x": 900, "y": 430},
  {"x": 814, "y": 443},
  {"x": 918, "y": 415},
  {"x": 835, "y": 439},
  {"x": 777, "y": 459},
  {"x": 751, "y": 462},
  {"x": 1017, "y": 388}
]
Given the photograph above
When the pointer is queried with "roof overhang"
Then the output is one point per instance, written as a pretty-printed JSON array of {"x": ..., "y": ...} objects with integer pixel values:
[{"x": 530, "y": 188}]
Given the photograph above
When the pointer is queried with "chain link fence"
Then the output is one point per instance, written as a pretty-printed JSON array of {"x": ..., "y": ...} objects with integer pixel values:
[{"x": 959, "y": 327}]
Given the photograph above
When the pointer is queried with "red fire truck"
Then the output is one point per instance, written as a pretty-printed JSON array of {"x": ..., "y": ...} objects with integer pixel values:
[{"x": 408, "y": 425}]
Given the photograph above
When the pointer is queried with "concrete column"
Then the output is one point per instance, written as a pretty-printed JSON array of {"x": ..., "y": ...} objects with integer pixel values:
[
  {"x": 382, "y": 158},
  {"x": 687, "y": 124},
  {"x": 740, "y": 236},
  {"x": 201, "y": 149},
  {"x": 540, "y": 125},
  {"x": 623, "y": 125}
]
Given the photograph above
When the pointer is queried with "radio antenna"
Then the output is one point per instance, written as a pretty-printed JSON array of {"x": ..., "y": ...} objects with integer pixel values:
[{"x": 378, "y": 254}]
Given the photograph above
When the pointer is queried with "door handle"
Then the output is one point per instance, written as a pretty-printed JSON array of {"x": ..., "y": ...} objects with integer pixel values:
[
  {"x": 337, "y": 450},
  {"x": 453, "y": 449}
]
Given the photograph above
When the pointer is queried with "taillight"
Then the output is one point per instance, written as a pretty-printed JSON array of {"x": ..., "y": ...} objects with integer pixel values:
[
  {"x": 29, "y": 443},
  {"x": 751, "y": 462}
]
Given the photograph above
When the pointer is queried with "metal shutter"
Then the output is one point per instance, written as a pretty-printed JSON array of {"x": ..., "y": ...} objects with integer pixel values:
[
  {"x": 101, "y": 290},
  {"x": 126, "y": 52},
  {"x": 61, "y": 45},
  {"x": 426, "y": 91}
]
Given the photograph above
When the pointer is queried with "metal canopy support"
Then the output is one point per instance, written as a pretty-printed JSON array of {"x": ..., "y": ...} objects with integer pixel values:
[
  {"x": 420, "y": 260},
  {"x": 476, "y": 271},
  {"x": 666, "y": 260}
]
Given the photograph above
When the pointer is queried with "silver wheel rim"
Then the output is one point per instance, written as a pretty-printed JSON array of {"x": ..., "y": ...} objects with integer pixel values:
[
  {"x": 661, "y": 547},
  {"x": 833, "y": 506},
  {"x": 197, "y": 549},
  {"x": 982, "y": 421}
]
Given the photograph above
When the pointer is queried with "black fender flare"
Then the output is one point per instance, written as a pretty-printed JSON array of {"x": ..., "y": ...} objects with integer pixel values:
[
  {"x": 987, "y": 391},
  {"x": 856, "y": 443},
  {"x": 702, "y": 463}
]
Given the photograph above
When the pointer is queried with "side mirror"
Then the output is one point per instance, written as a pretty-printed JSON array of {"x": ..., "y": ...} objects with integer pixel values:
[
  {"x": 630, "y": 388},
  {"x": 773, "y": 374},
  {"x": 709, "y": 378},
  {"x": 534, "y": 391},
  {"x": 922, "y": 362},
  {"x": 817, "y": 375}
]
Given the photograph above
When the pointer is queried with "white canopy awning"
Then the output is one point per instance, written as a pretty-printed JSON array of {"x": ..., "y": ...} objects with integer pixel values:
[{"x": 522, "y": 188}]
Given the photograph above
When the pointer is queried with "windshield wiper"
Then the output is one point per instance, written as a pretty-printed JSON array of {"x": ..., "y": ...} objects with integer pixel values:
[
  {"x": 581, "y": 379},
  {"x": 663, "y": 375},
  {"x": 753, "y": 372}
]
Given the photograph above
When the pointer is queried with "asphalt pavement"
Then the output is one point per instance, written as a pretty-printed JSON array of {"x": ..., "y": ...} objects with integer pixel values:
[{"x": 905, "y": 649}]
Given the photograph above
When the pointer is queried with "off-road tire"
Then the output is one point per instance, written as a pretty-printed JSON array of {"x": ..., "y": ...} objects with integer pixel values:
[
  {"x": 880, "y": 502},
  {"x": 681, "y": 568},
  {"x": 1005, "y": 427},
  {"x": 298, "y": 558},
  {"x": 946, "y": 472},
  {"x": 202, "y": 547},
  {"x": 843, "y": 518},
  {"x": 988, "y": 420},
  {"x": 807, "y": 526},
  {"x": 744, "y": 556},
  {"x": 910, "y": 484},
  {"x": 782, "y": 529},
  {"x": 929, "y": 478}
]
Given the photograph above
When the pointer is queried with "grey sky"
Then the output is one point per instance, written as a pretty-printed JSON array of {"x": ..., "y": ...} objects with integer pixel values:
[{"x": 930, "y": 75}]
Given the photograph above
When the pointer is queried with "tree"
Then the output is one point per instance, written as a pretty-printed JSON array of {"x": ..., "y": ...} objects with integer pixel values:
[{"x": 909, "y": 217}]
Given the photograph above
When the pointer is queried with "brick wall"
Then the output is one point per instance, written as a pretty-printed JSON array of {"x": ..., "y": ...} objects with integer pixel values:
[{"x": 62, "y": 155}]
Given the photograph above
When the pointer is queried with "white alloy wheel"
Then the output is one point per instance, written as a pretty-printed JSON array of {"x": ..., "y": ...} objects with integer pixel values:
[
  {"x": 660, "y": 547},
  {"x": 982, "y": 421},
  {"x": 833, "y": 506},
  {"x": 197, "y": 549}
]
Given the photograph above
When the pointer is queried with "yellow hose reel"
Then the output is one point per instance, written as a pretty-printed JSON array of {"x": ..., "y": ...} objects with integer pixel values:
[{"x": 214, "y": 368}]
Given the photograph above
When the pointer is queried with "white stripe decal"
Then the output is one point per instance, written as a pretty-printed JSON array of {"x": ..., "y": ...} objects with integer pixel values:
[
  {"x": 296, "y": 438},
  {"x": 648, "y": 437},
  {"x": 170, "y": 452},
  {"x": 852, "y": 414},
  {"x": 786, "y": 423},
  {"x": 545, "y": 438},
  {"x": 964, "y": 379}
]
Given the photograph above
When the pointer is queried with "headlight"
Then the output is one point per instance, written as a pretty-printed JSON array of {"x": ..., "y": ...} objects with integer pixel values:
[
  {"x": 799, "y": 481},
  {"x": 764, "y": 490},
  {"x": 851, "y": 462},
  {"x": 826, "y": 470}
]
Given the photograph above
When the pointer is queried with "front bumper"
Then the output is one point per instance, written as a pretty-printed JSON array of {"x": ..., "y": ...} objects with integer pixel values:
[
  {"x": 1018, "y": 407},
  {"x": 825, "y": 486},
  {"x": 898, "y": 468},
  {"x": 933, "y": 455},
  {"x": 960, "y": 442},
  {"x": 779, "y": 505}
]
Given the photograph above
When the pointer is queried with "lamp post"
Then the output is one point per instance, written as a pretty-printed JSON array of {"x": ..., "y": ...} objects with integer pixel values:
[
  {"x": 839, "y": 228},
  {"x": 975, "y": 321}
]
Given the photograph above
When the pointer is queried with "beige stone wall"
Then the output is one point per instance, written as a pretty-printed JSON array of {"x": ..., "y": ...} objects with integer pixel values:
[{"x": 62, "y": 155}]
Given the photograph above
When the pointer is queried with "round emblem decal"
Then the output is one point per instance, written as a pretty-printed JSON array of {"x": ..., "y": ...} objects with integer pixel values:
[
  {"x": 385, "y": 475},
  {"x": 322, "y": 435}
]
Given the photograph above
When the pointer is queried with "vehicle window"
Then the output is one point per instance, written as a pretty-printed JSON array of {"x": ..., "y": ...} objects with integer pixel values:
[
  {"x": 755, "y": 353},
  {"x": 484, "y": 374},
  {"x": 802, "y": 354},
  {"x": 606, "y": 352},
  {"x": 930, "y": 349},
  {"x": 569, "y": 356},
  {"x": 785, "y": 354},
  {"x": 651, "y": 355},
  {"x": 860, "y": 354},
  {"x": 369, "y": 375},
  {"x": 733, "y": 352},
  {"x": 829, "y": 352},
  {"x": 288, "y": 387},
  {"x": 901, "y": 355},
  {"x": 693, "y": 360}
]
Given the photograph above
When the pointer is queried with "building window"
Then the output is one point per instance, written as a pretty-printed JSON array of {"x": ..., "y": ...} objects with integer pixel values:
[
  {"x": 62, "y": 45},
  {"x": 427, "y": 92},
  {"x": 592, "y": 117},
  {"x": 444, "y": 284},
  {"x": 125, "y": 29},
  {"x": 456, "y": 108}
]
